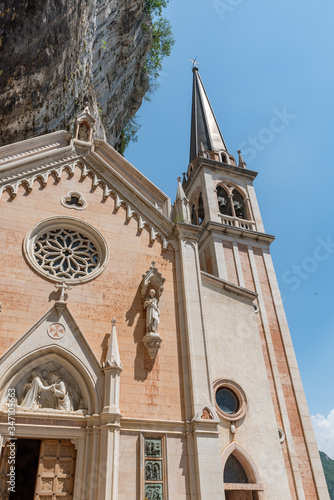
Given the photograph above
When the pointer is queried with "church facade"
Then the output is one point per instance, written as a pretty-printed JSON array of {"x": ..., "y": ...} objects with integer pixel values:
[{"x": 145, "y": 353}]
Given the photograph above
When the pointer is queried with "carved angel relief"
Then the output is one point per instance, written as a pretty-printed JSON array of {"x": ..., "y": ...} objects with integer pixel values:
[
  {"x": 151, "y": 290},
  {"x": 50, "y": 389}
]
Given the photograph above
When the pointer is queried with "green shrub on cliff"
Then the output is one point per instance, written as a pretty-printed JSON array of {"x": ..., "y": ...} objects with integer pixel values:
[
  {"x": 162, "y": 38},
  {"x": 162, "y": 43}
]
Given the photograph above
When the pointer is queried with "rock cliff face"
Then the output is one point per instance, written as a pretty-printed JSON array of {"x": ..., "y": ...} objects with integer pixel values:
[{"x": 58, "y": 56}]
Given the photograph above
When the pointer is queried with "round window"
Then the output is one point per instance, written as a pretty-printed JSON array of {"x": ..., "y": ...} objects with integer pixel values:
[
  {"x": 66, "y": 249},
  {"x": 231, "y": 400},
  {"x": 227, "y": 401}
]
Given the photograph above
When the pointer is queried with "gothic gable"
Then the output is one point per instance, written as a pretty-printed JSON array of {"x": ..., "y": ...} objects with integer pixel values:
[
  {"x": 30, "y": 168},
  {"x": 52, "y": 367}
]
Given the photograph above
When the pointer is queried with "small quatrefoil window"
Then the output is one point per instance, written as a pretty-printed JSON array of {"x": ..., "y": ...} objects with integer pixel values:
[{"x": 74, "y": 200}]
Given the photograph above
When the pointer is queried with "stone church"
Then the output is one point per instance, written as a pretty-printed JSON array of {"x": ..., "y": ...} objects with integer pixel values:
[{"x": 145, "y": 353}]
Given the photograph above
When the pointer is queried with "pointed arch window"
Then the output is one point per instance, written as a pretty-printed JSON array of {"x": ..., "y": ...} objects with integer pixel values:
[
  {"x": 234, "y": 471},
  {"x": 241, "y": 481},
  {"x": 239, "y": 205},
  {"x": 197, "y": 211},
  {"x": 194, "y": 215},
  {"x": 223, "y": 201},
  {"x": 201, "y": 214}
]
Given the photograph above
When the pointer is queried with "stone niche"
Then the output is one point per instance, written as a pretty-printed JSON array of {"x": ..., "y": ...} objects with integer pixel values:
[
  {"x": 49, "y": 387},
  {"x": 151, "y": 289}
]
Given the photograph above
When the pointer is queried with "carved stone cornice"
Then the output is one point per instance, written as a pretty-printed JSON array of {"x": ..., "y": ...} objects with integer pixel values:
[
  {"x": 26, "y": 174},
  {"x": 33, "y": 147},
  {"x": 218, "y": 228},
  {"x": 202, "y": 163},
  {"x": 28, "y": 171},
  {"x": 187, "y": 231}
]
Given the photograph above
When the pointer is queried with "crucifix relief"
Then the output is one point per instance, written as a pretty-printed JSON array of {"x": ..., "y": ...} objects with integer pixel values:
[{"x": 62, "y": 287}]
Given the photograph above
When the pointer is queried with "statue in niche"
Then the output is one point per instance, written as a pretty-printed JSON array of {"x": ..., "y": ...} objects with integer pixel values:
[
  {"x": 50, "y": 390},
  {"x": 84, "y": 131},
  {"x": 152, "y": 312}
]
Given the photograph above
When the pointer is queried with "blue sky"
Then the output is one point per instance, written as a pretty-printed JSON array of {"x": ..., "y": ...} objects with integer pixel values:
[{"x": 259, "y": 59}]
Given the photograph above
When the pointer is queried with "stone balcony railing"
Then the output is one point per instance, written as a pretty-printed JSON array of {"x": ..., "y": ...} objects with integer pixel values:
[{"x": 237, "y": 222}]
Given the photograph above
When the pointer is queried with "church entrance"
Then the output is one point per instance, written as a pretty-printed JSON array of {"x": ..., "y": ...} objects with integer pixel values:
[{"x": 44, "y": 469}]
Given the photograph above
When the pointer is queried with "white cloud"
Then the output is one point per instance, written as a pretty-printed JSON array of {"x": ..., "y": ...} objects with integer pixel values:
[{"x": 324, "y": 432}]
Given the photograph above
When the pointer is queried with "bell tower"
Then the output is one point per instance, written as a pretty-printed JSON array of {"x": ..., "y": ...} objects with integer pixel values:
[
  {"x": 234, "y": 254},
  {"x": 220, "y": 192}
]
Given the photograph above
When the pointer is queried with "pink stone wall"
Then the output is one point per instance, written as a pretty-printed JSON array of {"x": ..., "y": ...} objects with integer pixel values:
[{"x": 148, "y": 389}]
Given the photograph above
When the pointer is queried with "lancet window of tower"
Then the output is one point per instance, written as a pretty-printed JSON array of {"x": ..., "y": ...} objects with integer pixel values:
[
  {"x": 200, "y": 209},
  {"x": 224, "y": 202},
  {"x": 231, "y": 203},
  {"x": 197, "y": 210},
  {"x": 239, "y": 205}
]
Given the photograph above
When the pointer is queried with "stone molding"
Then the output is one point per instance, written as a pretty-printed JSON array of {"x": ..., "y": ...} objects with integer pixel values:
[
  {"x": 36, "y": 145},
  {"x": 146, "y": 214},
  {"x": 244, "y": 234},
  {"x": 227, "y": 285},
  {"x": 201, "y": 163}
]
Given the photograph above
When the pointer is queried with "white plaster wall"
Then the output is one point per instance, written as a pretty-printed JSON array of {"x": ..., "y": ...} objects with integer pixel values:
[{"x": 235, "y": 353}]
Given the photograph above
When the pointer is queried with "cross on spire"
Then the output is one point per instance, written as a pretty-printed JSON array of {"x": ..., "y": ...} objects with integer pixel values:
[
  {"x": 62, "y": 287},
  {"x": 194, "y": 62}
]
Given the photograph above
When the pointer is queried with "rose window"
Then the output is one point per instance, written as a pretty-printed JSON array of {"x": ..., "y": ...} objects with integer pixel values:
[
  {"x": 66, "y": 249},
  {"x": 66, "y": 254}
]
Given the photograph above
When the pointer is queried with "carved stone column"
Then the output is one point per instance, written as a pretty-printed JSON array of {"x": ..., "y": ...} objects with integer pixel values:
[{"x": 110, "y": 421}]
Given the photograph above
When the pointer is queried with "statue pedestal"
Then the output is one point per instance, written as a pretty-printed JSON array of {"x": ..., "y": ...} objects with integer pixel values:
[{"x": 152, "y": 342}]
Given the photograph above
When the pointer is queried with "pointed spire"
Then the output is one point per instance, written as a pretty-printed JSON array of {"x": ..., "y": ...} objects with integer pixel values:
[
  {"x": 179, "y": 193},
  {"x": 242, "y": 163},
  {"x": 205, "y": 132},
  {"x": 113, "y": 358},
  {"x": 181, "y": 205}
]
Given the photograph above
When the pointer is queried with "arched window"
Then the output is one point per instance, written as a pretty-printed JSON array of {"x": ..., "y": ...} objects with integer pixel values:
[
  {"x": 200, "y": 210},
  {"x": 234, "y": 471},
  {"x": 194, "y": 215},
  {"x": 224, "y": 158},
  {"x": 239, "y": 205},
  {"x": 197, "y": 210},
  {"x": 238, "y": 472},
  {"x": 223, "y": 201}
]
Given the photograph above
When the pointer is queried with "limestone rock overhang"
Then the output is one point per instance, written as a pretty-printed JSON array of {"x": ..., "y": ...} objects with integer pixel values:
[
  {"x": 24, "y": 162},
  {"x": 222, "y": 284},
  {"x": 246, "y": 234},
  {"x": 206, "y": 163}
]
